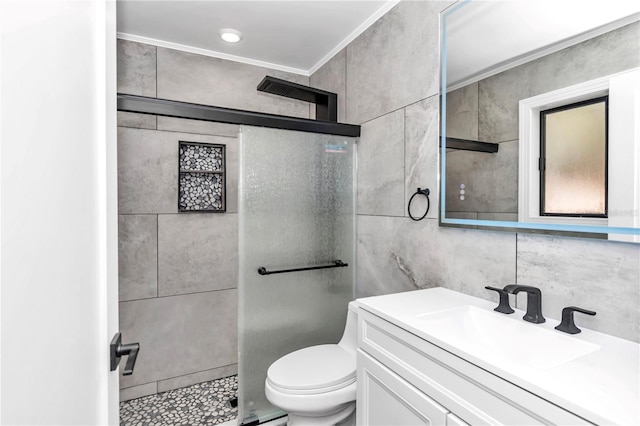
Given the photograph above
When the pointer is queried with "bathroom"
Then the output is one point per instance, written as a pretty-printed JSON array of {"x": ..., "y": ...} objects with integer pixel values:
[{"x": 387, "y": 81}]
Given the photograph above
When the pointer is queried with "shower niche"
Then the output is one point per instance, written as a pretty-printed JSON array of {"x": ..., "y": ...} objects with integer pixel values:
[{"x": 202, "y": 178}]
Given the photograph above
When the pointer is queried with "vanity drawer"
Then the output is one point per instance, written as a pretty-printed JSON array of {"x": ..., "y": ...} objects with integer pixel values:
[
  {"x": 471, "y": 393},
  {"x": 387, "y": 399}
]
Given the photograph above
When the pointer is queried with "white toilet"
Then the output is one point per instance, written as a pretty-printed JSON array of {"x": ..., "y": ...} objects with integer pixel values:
[{"x": 316, "y": 386}]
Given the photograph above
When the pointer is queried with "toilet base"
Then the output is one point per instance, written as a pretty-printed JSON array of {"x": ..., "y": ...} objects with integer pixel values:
[{"x": 329, "y": 420}]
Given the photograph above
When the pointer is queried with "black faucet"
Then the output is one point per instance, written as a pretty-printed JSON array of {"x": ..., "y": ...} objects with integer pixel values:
[{"x": 534, "y": 302}]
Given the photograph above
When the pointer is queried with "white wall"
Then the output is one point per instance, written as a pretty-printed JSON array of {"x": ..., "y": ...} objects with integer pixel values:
[{"x": 58, "y": 229}]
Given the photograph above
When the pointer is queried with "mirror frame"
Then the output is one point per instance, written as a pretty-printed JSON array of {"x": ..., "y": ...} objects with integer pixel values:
[{"x": 588, "y": 231}]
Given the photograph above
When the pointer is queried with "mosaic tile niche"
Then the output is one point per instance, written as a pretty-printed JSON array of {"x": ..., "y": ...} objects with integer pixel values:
[{"x": 202, "y": 180}]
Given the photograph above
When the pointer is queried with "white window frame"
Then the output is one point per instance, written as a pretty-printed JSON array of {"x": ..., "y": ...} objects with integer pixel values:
[{"x": 529, "y": 149}]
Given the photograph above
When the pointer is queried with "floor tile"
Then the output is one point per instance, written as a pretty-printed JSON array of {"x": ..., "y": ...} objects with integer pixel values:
[{"x": 205, "y": 403}]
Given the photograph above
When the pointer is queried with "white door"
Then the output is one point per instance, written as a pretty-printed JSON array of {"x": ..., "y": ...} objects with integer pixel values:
[{"x": 58, "y": 212}]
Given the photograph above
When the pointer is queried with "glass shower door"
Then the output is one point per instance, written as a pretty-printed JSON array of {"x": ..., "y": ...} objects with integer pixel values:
[{"x": 297, "y": 209}]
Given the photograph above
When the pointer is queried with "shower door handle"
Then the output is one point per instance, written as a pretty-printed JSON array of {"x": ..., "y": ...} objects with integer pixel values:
[{"x": 119, "y": 350}]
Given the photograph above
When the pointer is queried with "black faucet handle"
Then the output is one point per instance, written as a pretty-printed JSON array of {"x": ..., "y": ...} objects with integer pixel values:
[
  {"x": 567, "y": 324},
  {"x": 503, "y": 305}
]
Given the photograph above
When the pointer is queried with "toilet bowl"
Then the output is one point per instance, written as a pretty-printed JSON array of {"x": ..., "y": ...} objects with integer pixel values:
[{"x": 316, "y": 386}]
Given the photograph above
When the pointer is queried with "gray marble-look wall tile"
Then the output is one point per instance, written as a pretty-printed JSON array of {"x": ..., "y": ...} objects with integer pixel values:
[
  {"x": 148, "y": 169},
  {"x": 462, "y": 113},
  {"x": 498, "y": 98},
  {"x": 173, "y": 124},
  {"x": 490, "y": 180},
  {"x": 139, "y": 391},
  {"x": 332, "y": 77},
  {"x": 499, "y": 95},
  {"x": 137, "y": 256},
  {"x": 180, "y": 335},
  {"x": 381, "y": 166},
  {"x": 395, "y": 61},
  {"x": 138, "y": 121},
  {"x": 199, "y": 377},
  {"x": 136, "y": 68},
  {"x": 595, "y": 275},
  {"x": 211, "y": 81},
  {"x": 421, "y": 155},
  {"x": 197, "y": 252},
  {"x": 398, "y": 254}
]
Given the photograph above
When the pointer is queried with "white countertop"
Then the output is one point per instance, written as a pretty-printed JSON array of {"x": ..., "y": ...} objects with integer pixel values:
[{"x": 602, "y": 387}]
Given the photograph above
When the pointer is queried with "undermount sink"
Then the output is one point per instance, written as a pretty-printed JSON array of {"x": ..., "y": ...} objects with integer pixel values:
[{"x": 496, "y": 337}]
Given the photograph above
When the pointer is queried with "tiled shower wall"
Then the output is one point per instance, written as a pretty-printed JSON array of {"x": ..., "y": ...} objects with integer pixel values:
[
  {"x": 178, "y": 271},
  {"x": 389, "y": 79},
  {"x": 487, "y": 110}
]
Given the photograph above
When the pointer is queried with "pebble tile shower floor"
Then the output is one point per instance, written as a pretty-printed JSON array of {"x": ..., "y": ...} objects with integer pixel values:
[{"x": 205, "y": 403}]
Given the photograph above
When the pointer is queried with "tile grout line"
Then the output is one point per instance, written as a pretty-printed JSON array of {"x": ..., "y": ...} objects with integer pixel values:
[
  {"x": 205, "y": 135},
  {"x": 157, "y": 255},
  {"x": 397, "y": 109},
  {"x": 168, "y": 214},
  {"x": 404, "y": 162},
  {"x": 386, "y": 215},
  {"x": 179, "y": 294},
  {"x": 156, "y": 47},
  {"x": 478, "y": 113},
  {"x": 188, "y": 374},
  {"x": 346, "y": 68},
  {"x": 516, "y": 267}
]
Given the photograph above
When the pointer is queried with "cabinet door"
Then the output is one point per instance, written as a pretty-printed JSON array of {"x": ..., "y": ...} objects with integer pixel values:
[{"x": 386, "y": 399}]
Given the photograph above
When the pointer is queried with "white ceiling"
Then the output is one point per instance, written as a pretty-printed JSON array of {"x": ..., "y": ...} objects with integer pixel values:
[
  {"x": 486, "y": 37},
  {"x": 294, "y": 36}
]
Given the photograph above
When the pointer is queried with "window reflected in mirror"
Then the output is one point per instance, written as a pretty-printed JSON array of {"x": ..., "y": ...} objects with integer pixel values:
[{"x": 573, "y": 165}]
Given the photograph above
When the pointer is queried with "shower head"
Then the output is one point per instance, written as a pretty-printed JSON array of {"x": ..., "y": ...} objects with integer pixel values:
[
  {"x": 287, "y": 89},
  {"x": 326, "y": 102}
]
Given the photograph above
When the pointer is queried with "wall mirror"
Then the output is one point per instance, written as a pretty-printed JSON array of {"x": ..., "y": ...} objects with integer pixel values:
[{"x": 540, "y": 117}]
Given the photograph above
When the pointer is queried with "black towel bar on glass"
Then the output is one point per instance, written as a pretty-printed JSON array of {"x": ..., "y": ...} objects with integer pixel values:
[{"x": 335, "y": 264}]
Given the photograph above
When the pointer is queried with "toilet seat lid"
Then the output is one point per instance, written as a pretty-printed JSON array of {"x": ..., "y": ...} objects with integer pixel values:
[{"x": 315, "y": 367}]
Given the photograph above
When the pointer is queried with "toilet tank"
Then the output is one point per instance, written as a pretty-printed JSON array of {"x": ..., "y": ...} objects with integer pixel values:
[{"x": 349, "y": 340}]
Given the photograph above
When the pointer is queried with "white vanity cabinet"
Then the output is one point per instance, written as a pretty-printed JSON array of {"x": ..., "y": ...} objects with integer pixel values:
[{"x": 406, "y": 380}]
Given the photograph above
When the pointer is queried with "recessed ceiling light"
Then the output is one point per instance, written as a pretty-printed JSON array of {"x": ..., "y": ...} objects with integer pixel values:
[{"x": 230, "y": 35}]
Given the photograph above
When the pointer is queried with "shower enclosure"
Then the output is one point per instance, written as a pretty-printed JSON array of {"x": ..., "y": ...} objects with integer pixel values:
[{"x": 297, "y": 211}]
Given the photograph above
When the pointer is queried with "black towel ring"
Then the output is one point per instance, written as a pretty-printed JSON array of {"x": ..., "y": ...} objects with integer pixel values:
[{"x": 424, "y": 192}]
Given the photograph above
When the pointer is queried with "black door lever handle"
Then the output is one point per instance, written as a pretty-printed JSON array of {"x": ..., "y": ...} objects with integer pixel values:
[
  {"x": 131, "y": 350},
  {"x": 119, "y": 350}
]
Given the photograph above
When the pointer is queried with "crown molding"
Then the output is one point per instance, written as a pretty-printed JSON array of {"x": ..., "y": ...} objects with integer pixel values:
[
  {"x": 210, "y": 53},
  {"x": 354, "y": 34}
]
